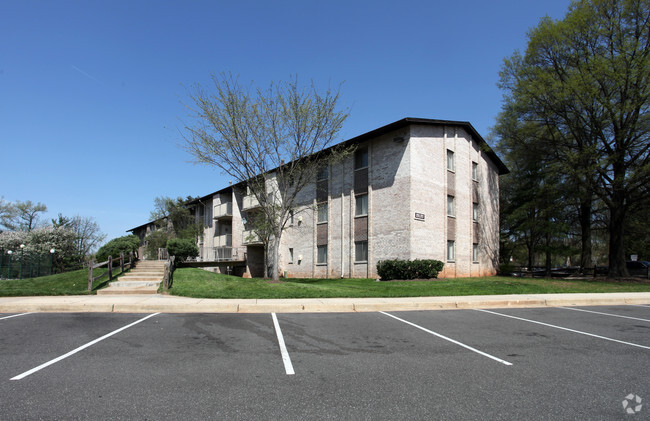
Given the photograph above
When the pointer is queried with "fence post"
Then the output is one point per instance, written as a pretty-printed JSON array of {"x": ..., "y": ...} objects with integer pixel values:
[
  {"x": 110, "y": 268},
  {"x": 90, "y": 275},
  {"x": 121, "y": 261}
]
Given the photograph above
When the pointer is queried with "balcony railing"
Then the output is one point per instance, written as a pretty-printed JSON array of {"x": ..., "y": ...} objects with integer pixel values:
[
  {"x": 250, "y": 202},
  {"x": 250, "y": 237},
  {"x": 227, "y": 254},
  {"x": 223, "y": 240},
  {"x": 223, "y": 211}
]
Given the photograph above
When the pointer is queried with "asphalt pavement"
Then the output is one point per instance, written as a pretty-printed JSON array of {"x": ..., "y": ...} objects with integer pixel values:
[
  {"x": 173, "y": 304},
  {"x": 581, "y": 362}
]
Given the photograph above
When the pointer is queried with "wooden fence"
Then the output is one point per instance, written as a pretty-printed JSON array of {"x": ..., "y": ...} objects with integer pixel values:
[{"x": 109, "y": 272}]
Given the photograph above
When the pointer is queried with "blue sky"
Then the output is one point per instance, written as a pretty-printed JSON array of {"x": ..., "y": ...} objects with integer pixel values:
[{"x": 92, "y": 92}]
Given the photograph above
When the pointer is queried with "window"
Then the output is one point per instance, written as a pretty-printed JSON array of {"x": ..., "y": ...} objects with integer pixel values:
[
  {"x": 290, "y": 255},
  {"x": 361, "y": 207},
  {"x": 361, "y": 251},
  {"x": 323, "y": 173},
  {"x": 451, "y": 251},
  {"x": 475, "y": 212},
  {"x": 451, "y": 206},
  {"x": 450, "y": 160},
  {"x": 361, "y": 159},
  {"x": 291, "y": 217},
  {"x": 322, "y": 212},
  {"x": 475, "y": 253},
  {"x": 322, "y": 255},
  {"x": 474, "y": 171}
]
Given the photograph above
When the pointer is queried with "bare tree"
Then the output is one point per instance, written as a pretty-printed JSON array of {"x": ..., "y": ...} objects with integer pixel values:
[
  {"x": 268, "y": 138},
  {"x": 88, "y": 234}
]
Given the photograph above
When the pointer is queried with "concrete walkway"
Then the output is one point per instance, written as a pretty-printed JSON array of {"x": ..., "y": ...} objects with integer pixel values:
[{"x": 171, "y": 304}]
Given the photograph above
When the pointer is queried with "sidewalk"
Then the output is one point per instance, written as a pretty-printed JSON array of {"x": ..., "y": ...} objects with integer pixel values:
[{"x": 173, "y": 304}]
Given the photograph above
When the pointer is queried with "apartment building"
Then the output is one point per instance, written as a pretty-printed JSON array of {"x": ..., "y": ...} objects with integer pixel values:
[{"x": 413, "y": 189}]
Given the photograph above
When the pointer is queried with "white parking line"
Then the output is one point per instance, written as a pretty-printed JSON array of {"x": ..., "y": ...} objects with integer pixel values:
[
  {"x": 564, "y": 328},
  {"x": 81, "y": 348},
  {"x": 288, "y": 367},
  {"x": 639, "y": 305},
  {"x": 449, "y": 339},
  {"x": 15, "y": 315},
  {"x": 605, "y": 314}
]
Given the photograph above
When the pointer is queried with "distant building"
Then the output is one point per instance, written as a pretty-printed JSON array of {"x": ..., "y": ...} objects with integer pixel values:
[{"x": 414, "y": 189}]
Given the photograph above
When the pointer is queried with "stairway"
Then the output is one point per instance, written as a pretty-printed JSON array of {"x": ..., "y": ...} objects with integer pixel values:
[{"x": 145, "y": 278}]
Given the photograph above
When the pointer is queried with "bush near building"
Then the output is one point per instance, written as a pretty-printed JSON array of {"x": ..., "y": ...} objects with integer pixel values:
[{"x": 409, "y": 269}]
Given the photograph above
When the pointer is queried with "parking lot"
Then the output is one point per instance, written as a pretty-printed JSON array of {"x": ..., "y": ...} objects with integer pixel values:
[{"x": 545, "y": 363}]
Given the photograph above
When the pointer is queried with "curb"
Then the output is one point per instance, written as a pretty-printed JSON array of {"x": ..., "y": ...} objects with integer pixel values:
[{"x": 172, "y": 304}]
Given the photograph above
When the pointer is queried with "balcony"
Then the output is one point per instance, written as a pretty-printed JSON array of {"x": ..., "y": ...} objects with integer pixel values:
[
  {"x": 223, "y": 240},
  {"x": 229, "y": 254},
  {"x": 223, "y": 211},
  {"x": 250, "y": 203},
  {"x": 250, "y": 238}
]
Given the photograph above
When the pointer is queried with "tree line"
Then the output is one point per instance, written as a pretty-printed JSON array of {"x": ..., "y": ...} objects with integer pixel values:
[
  {"x": 72, "y": 239},
  {"x": 574, "y": 130}
]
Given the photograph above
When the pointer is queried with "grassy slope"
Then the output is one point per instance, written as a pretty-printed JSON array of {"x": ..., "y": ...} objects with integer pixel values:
[
  {"x": 202, "y": 284},
  {"x": 69, "y": 283}
]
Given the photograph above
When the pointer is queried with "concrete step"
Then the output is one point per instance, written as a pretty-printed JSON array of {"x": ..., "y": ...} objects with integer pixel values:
[
  {"x": 140, "y": 279},
  {"x": 116, "y": 290},
  {"x": 135, "y": 283},
  {"x": 143, "y": 273}
]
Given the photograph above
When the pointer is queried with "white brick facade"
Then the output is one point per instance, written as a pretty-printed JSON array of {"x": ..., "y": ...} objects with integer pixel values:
[{"x": 408, "y": 185}]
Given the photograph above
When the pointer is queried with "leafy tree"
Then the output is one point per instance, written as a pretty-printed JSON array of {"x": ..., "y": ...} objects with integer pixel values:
[
  {"x": 182, "y": 248},
  {"x": 6, "y": 213},
  {"x": 175, "y": 217},
  {"x": 268, "y": 139},
  {"x": 20, "y": 216},
  {"x": 587, "y": 79},
  {"x": 125, "y": 244},
  {"x": 156, "y": 240}
]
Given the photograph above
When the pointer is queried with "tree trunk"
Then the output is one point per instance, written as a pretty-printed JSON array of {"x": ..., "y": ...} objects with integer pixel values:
[
  {"x": 584, "y": 214},
  {"x": 275, "y": 258},
  {"x": 548, "y": 255},
  {"x": 266, "y": 260},
  {"x": 617, "y": 266},
  {"x": 617, "y": 209}
]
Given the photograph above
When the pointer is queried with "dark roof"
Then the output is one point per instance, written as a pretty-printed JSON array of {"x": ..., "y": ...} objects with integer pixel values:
[{"x": 141, "y": 226}]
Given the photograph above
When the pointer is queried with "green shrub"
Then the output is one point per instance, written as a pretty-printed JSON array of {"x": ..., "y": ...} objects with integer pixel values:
[
  {"x": 126, "y": 245},
  {"x": 408, "y": 269},
  {"x": 155, "y": 240},
  {"x": 182, "y": 248}
]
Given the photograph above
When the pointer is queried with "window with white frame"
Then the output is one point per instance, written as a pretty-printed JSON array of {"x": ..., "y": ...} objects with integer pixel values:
[
  {"x": 291, "y": 217},
  {"x": 361, "y": 206},
  {"x": 451, "y": 251},
  {"x": 475, "y": 212},
  {"x": 450, "y": 160},
  {"x": 321, "y": 258},
  {"x": 361, "y": 251},
  {"x": 475, "y": 253},
  {"x": 451, "y": 206},
  {"x": 290, "y": 255},
  {"x": 323, "y": 210},
  {"x": 474, "y": 171}
]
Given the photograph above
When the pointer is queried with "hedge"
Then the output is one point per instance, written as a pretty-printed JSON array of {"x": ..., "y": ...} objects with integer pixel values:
[
  {"x": 408, "y": 269},
  {"x": 182, "y": 248}
]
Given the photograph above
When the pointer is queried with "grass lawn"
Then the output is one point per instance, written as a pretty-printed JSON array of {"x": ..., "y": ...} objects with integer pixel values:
[
  {"x": 190, "y": 282},
  {"x": 68, "y": 283}
]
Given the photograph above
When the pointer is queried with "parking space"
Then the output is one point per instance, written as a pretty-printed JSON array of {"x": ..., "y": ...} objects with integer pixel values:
[{"x": 426, "y": 364}]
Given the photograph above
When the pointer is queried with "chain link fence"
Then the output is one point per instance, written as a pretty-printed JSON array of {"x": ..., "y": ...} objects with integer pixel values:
[{"x": 19, "y": 265}]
